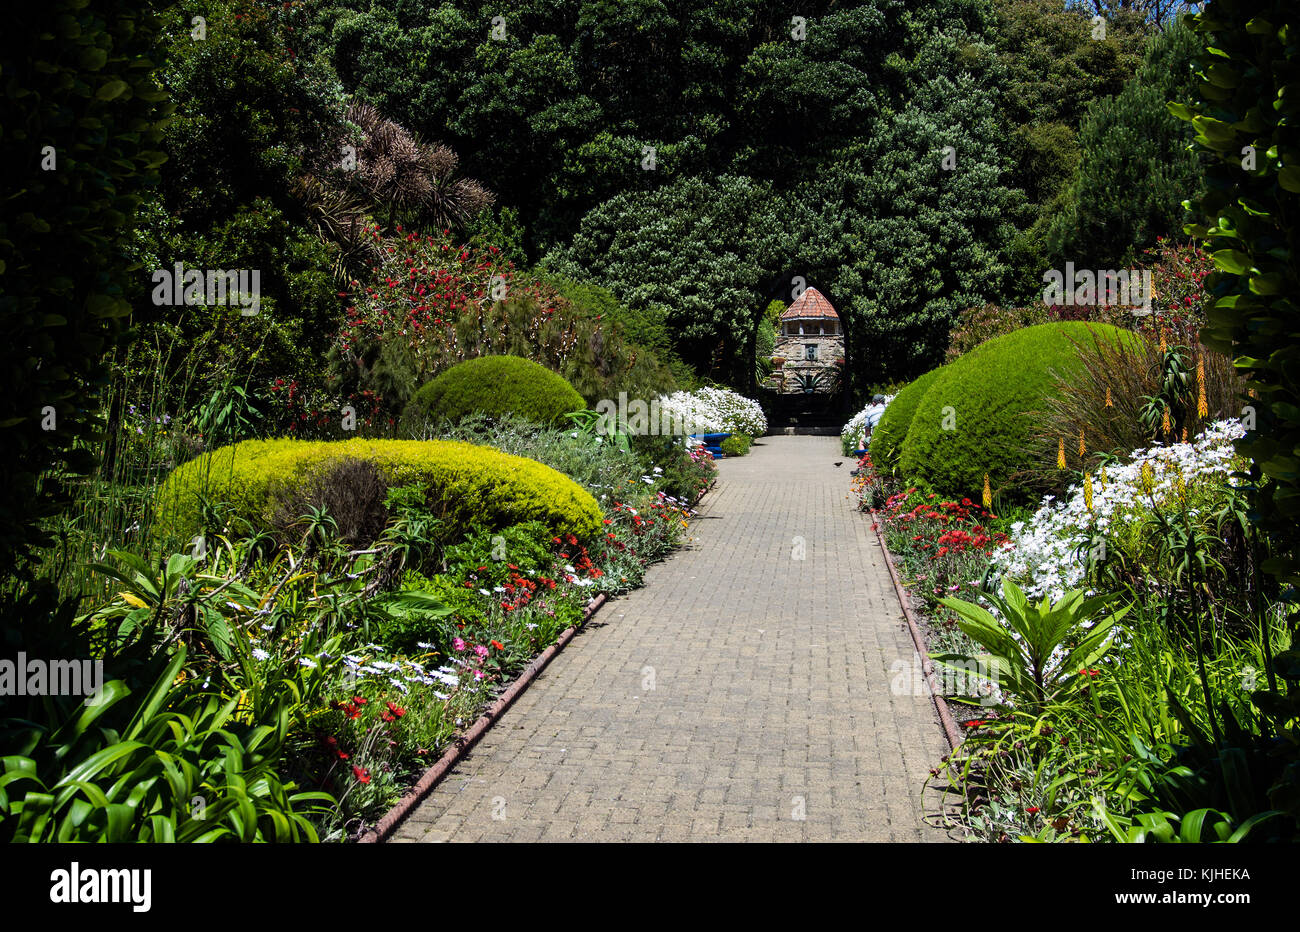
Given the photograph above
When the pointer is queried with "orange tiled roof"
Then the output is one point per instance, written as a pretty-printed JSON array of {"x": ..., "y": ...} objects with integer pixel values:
[{"x": 811, "y": 304}]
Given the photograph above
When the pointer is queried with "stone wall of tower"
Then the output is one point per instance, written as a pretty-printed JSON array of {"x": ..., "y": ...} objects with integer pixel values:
[{"x": 793, "y": 348}]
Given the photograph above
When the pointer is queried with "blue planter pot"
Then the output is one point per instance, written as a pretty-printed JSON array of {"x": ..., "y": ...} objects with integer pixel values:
[{"x": 712, "y": 443}]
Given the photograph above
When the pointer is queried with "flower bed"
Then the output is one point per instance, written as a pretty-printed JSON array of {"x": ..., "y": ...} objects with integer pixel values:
[
  {"x": 402, "y": 697},
  {"x": 349, "y": 665},
  {"x": 1106, "y": 678},
  {"x": 1048, "y": 555}
]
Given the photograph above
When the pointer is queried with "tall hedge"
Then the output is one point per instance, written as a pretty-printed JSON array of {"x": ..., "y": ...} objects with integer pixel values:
[
  {"x": 888, "y": 435},
  {"x": 81, "y": 113}
]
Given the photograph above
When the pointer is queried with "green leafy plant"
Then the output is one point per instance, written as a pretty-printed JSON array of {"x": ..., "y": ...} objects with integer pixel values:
[
  {"x": 1023, "y": 644},
  {"x": 227, "y": 416},
  {"x": 808, "y": 382},
  {"x": 587, "y": 420},
  {"x": 169, "y": 599},
  {"x": 736, "y": 445},
  {"x": 1248, "y": 64},
  {"x": 185, "y": 766},
  {"x": 1174, "y": 397}
]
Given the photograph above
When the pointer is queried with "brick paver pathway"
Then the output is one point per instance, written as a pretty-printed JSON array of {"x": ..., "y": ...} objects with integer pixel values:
[{"x": 742, "y": 694}]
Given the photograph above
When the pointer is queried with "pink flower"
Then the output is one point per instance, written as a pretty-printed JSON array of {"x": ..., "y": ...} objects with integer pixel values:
[
  {"x": 458, "y": 643},
  {"x": 481, "y": 651}
]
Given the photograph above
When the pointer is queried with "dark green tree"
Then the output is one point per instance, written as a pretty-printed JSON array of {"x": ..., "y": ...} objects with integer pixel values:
[
  {"x": 1135, "y": 168},
  {"x": 689, "y": 155},
  {"x": 694, "y": 247},
  {"x": 255, "y": 113},
  {"x": 81, "y": 121}
]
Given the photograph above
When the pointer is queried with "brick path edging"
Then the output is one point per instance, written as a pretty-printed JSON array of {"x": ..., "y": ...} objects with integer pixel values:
[
  {"x": 462, "y": 745},
  {"x": 927, "y": 666}
]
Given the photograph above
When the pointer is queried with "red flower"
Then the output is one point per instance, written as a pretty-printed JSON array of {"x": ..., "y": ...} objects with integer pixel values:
[
  {"x": 498, "y": 645},
  {"x": 362, "y": 775}
]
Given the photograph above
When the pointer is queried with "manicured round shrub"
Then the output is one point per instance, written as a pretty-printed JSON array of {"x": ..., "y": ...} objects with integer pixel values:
[
  {"x": 887, "y": 436},
  {"x": 464, "y": 484},
  {"x": 495, "y": 386},
  {"x": 978, "y": 415},
  {"x": 736, "y": 445}
]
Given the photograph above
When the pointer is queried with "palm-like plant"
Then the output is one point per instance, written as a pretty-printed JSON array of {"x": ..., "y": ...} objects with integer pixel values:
[
  {"x": 808, "y": 381},
  {"x": 319, "y": 527},
  {"x": 1036, "y": 650},
  {"x": 398, "y": 170},
  {"x": 340, "y": 219}
]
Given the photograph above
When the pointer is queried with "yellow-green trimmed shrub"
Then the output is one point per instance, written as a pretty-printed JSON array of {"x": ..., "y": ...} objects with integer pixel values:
[{"x": 464, "y": 483}]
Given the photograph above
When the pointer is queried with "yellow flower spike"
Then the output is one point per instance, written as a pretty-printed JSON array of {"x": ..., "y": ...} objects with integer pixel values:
[
  {"x": 1148, "y": 478},
  {"x": 1083, "y": 449},
  {"x": 1060, "y": 454},
  {"x": 1202, "y": 406},
  {"x": 1109, "y": 403},
  {"x": 1101, "y": 478},
  {"x": 244, "y": 710},
  {"x": 1163, "y": 348},
  {"x": 988, "y": 492},
  {"x": 1164, "y": 422},
  {"x": 1087, "y": 491},
  {"x": 1184, "y": 435}
]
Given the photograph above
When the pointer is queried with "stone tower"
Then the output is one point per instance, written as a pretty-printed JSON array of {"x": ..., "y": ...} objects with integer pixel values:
[{"x": 810, "y": 340}]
